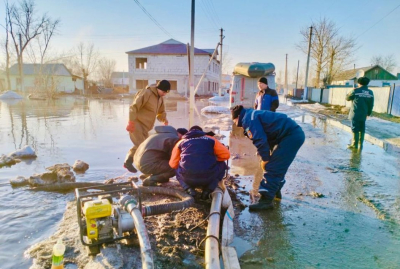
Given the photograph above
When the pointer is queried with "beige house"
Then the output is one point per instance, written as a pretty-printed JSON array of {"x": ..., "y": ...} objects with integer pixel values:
[
  {"x": 41, "y": 78},
  {"x": 169, "y": 60}
]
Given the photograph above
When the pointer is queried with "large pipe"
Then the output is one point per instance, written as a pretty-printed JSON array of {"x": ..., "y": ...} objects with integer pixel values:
[
  {"x": 146, "y": 253},
  {"x": 212, "y": 237},
  {"x": 149, "y": 210}
]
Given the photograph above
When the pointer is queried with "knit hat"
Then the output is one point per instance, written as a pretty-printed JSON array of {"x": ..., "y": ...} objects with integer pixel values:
[
  {"x": 236, "y": 111},
  {"x": 363, "y": 81},
  {"x": 196, "y": 127},
  {"x": 263, "y": 80},
  {"x": 164, "y": 85},
  {"x": 182, "y": 131}
]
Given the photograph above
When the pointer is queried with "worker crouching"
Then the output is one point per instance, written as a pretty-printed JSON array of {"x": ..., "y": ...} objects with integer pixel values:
[{"x": 199, "y": 160}]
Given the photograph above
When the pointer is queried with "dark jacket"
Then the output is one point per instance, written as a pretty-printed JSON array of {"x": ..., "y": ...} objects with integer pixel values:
[
  {"x": 265, "y": 128},
  {"x": 362, "y": 105},
  {"x": 160, "y": 146},
  {"x": 267, "y": 100},
  {"x": 197, "y": 153}
]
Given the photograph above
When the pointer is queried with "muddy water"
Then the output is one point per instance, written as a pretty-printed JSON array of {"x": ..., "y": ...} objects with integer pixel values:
[
  {"x": 60, "y": 131},
  {"x": 354, "y": 225}
]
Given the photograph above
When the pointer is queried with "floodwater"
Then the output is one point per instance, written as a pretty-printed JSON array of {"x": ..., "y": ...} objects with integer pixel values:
[{"x": 354, "y": 225}]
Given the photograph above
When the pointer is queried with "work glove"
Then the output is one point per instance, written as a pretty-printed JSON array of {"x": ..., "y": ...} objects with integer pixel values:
[
  {"x": 130, "y": 127},
  {"x": 263, "y": 164}
]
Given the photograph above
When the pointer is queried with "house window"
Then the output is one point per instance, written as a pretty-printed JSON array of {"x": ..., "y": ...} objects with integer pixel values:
[{"x": 141, "y": 63}]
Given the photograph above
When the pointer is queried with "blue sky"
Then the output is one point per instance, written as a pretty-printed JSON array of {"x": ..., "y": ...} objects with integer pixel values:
[{"x": 255, "y": 30}]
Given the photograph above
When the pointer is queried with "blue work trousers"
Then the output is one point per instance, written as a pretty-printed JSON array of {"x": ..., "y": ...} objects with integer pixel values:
[{"x": 281, "y": 158}]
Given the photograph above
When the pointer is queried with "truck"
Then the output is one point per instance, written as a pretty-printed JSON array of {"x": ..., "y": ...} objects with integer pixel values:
[{"x": 244, "y": 87}]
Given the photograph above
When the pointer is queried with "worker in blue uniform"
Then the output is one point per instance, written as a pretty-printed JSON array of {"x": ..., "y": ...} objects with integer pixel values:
[
  {"x": 362, "y": 104},
  {"x": 266, "y": 98},
  {"x": 277, "y": 139}
]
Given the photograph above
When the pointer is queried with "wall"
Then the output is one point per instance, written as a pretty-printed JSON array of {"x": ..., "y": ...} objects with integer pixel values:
[
  {"x": 337, "y": 96},
  {"x": 63, "y": 84},
  {"x": 176, "y": 68}
]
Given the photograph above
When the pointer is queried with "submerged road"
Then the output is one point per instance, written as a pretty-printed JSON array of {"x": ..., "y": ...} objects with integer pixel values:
[{"x": 340, "y": 208}]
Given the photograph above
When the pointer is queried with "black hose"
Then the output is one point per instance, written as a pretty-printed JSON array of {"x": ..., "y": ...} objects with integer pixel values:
[
  {"x": 65, "y": 187},
  {"x": 150, "y": 210}
]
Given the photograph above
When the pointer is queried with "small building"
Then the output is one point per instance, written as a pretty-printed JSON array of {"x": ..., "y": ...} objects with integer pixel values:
[
  {"x": 169, "y": 60},
  {"x": 44, "y": 77},
  {"x": 378, "y": 76}
]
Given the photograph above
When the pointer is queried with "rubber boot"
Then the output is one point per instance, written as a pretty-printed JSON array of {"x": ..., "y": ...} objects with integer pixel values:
[
  {"x": 354, "y": 144},
  {"x": 128, "y": 164},
  {"x": 191, "y": 192},
  {"x": 362, "y": 134},
  {"x": 205, "y": 195},
  {"x": 263, "y": 204},
  {"x": 278, "y": 195},
  {"x": 154, "y": 179}
]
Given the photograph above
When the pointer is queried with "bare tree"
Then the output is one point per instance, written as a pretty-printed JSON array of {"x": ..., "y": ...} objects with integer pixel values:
[
  {"x": 329, "y": 50},
  {"x": 87, "y": 58},
  {"x": 387, "y": 62},
  {"x": 105, "y": 69},
  {"x": 24, "y": 26}
]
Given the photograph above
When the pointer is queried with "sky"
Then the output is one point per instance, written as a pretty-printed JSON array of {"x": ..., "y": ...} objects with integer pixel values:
[{"x": 254, "y": 30}]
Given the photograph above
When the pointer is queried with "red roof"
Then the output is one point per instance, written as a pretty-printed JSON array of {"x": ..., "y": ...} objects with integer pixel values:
[{"x": 170, "y": 46}]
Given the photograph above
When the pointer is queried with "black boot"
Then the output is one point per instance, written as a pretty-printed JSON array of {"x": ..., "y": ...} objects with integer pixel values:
[
  {"x": 128, "y": 164},
  {"x": 154, "y": 179},
  {"x": 263, "y": 204},
  {"x": 278, "y": 194},
  {"x": 354, "y": 144},
  {"x": 362, "y": 134},
  {"x": 191, "y": 192},
  {"x": 206, "y": 194}
]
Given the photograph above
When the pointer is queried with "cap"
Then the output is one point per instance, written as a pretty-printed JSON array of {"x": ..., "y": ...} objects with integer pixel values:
[
  {"x": 182, "y": 131},
  {"x": 363, "y": 81},
  {"x": 263, "y": 80},
  {"x": 164, "y": 85}
]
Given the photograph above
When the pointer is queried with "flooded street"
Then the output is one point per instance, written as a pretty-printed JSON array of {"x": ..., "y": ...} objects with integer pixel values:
[{"x": 340, "y": 209}]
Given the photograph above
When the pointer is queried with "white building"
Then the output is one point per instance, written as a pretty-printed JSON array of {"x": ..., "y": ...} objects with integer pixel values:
[
  {"x": 44, "y": 77},
  {"x": 169, "y": 60}
]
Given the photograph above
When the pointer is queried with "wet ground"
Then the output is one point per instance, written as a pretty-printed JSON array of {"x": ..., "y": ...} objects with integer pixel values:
[{"x": 340, "y": 209}]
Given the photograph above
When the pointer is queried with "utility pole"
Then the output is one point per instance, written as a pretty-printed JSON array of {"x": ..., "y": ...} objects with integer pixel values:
[
  {"x": 308, "y": 64},
  {"x": 297, "y": 77},
  {"x": 191, "y": 69},
  {"x": 220, "y": 62},
  {"x": 285, "y": 92}
]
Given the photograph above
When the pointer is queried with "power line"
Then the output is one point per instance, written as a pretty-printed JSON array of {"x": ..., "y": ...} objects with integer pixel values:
[
  {"x": 151, "y": 18},
  {"x": 378, "y": 21},
  {"x": 208, "y": 14}
]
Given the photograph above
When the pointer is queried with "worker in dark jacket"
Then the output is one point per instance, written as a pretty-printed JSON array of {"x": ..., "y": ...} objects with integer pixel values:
[
  {"x": 266, "y": 98},
  {"x": 277, "y": 139},
  {"x": 199, "y": 160},
  {"x": 153, "y": 154},
  {"x": 362, "y": 104}
]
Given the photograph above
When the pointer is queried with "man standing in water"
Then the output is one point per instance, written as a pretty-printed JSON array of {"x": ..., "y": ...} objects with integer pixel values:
[
  {"x": 362, "y": 104},
  {"x": 147, "y": 105},
  {"x": 277, "y": 139},
  {"x": 266, "y": 98}
]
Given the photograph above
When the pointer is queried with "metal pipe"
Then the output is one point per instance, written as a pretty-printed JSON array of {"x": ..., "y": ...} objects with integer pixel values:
[
  {"x": 146, "y": 253},
  {"x": 212, "y": 237}
]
